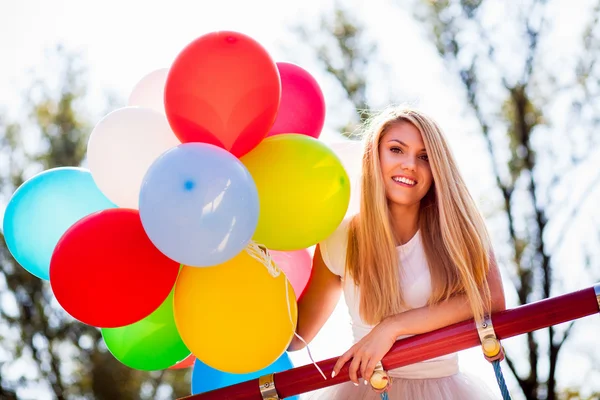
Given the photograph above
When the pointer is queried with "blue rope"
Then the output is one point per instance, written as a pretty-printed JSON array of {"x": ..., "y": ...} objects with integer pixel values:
[
  {"x": 384, "y": 396},
  {"x": 500, "y": 379}
]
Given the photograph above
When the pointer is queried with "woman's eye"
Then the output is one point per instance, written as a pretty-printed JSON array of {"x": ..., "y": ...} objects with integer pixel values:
[
  {"x": 396, "y": 150},
  {"x": 424, "y": 157}
]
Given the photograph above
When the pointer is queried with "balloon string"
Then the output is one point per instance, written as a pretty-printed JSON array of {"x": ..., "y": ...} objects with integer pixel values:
[
  {"x": 261, "y": 254},
  {"x": 298, "y": 336}
]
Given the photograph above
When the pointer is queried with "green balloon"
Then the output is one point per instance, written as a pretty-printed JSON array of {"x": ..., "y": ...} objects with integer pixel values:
[{"x": 150, "y": 344}]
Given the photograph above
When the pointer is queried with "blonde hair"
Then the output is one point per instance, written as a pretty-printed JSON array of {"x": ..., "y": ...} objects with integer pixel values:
[{"x": 455, "y": 239}]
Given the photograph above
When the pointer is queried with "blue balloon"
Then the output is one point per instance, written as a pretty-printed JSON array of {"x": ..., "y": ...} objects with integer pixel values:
[
  {"x": 205, "y": 378},
  {"x": 199, "y": 204},
  {"x": 43, "y": 208}
]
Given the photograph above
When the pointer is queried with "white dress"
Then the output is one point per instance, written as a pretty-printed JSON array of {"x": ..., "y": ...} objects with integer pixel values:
[{"x": 438, "y": 378}]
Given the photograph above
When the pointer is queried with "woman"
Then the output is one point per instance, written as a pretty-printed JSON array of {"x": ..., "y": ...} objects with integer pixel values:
[{"x": 417, "y": 257}]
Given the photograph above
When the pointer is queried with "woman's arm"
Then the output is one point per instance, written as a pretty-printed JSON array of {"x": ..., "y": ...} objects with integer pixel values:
[
  {"x": 370, "y": 350},
  {"x": 455, "y": 309},
  {"x": 317, "y": 303}
]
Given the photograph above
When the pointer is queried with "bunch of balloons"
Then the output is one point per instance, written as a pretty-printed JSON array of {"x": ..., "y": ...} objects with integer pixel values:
[{"x": 186, "y": 238}]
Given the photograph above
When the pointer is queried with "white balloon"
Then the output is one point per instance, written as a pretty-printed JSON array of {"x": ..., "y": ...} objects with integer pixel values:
[
  {"x": 149, "y": 91},
  {"x": 350, "y": 154},
  {"x": 121, "y": 148}
]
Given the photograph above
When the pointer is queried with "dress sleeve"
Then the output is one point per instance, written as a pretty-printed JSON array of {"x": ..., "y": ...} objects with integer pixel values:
[{"x": 333, "y": 249}]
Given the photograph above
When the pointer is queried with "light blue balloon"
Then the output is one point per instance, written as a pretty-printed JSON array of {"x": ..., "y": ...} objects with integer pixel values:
[
  {"x": 199, "y": 204},
  {"x": 43, "y": 208},
  {"x": 205, "y": 378}
]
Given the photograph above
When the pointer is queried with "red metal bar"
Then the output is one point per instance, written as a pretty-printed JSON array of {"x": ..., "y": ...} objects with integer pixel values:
[{"x": 460, "y": 336}]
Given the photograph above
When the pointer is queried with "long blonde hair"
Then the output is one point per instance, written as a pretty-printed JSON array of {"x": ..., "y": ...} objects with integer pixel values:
[{"x": 455, "y": 239}]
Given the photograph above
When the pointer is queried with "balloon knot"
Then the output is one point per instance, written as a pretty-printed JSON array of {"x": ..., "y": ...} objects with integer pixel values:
[{"x": 261, "y": 254}]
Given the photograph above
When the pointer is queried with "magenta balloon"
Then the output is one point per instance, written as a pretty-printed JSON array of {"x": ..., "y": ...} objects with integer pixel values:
[
  {"x": 302, "y": 107},
  {"x": 296, "y": 265}
]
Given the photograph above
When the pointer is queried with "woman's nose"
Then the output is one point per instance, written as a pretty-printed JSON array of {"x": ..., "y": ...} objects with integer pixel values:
[{"x": 409, "y": 163}]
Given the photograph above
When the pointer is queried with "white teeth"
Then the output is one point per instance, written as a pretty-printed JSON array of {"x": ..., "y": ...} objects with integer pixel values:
[{"x": 404, "y": 180}]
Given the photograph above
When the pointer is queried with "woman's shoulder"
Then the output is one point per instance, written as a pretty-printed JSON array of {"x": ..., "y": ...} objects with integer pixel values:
[{"x": 333, "y": 248}]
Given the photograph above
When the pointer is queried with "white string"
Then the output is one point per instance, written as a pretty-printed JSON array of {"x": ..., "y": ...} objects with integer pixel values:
[
  {"x": 295, "y": 334},
  {"x": 262, "y": 255}
]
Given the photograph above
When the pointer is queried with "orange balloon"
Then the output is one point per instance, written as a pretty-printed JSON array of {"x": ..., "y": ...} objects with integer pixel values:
[{"x": 235, "y": 317}]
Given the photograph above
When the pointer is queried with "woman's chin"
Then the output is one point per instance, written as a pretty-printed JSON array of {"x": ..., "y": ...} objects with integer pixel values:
[{"x": 402, "y": 201}]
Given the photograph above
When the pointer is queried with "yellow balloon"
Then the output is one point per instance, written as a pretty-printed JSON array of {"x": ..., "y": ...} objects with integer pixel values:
[
  {"x": 235, "y": 317},
  {"x": 303, "y": 189}
]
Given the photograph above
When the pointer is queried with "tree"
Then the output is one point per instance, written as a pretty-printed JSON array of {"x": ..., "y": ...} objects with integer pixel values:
[
  {"x": 537, "y": 116},
  {"x": 345, "y": 53},
  {"x": 43, "y": 348}
]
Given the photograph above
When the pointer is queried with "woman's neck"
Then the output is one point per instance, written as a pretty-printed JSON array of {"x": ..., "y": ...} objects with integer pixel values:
[{"x": 405, "y": 222}]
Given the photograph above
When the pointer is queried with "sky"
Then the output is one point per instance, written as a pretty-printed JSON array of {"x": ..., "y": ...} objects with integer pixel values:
[{"x": 121, "y": 41}]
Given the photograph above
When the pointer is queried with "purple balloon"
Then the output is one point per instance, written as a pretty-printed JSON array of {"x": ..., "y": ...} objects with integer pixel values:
[{"x": 302, "y": 107}]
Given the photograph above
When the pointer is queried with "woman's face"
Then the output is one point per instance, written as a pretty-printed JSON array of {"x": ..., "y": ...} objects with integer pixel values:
[{"x": 404, "y": 164}]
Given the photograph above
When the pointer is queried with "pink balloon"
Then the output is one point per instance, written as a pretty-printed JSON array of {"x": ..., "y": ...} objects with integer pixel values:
[
  {"x": 296, "y": 265},
  {"x": 302, "y": 107}
]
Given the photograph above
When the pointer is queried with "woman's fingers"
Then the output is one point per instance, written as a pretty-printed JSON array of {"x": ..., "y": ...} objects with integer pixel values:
[
  {"x": 341, "y": 361},
  {"x": 368, "y": 368},
  {"x": 354, "y": 368}
]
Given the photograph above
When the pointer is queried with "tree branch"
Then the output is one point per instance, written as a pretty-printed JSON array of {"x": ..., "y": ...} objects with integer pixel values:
[
  {"x": 522, "y": 285},
  {"x": 554, "y": 351},
  {"x": 523, "y": 384},
  {"x": 574, "y": 212},
  {"x": 565, "y": 335},
  {"x": 557, "y": 179},
  {"x": 533, "y": 36}
]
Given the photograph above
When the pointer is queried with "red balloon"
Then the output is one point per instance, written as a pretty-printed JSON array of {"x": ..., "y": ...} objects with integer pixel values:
[
  {"x": 105, "y": 271},
  {"x": 223, "y": 89},
  {"x": 302, "y": 107},
  {"x": 296, "y": 265},
  {"x": 186, "y": 363}
]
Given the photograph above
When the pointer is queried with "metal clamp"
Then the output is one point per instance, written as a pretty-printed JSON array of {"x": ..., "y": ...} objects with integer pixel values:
[
  {"x": 380, "y": 378},
  {"x": 597, "y": 291},
  {"x": 492, "y": 349},
  {"x": 267, "y": 387}
]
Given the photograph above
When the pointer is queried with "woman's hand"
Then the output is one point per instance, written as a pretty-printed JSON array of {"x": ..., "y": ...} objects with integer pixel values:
[{"x": 367, "y": 352}]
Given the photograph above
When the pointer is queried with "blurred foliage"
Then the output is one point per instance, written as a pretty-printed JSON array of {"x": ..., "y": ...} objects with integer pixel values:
[{"x": 44, "y": 349}]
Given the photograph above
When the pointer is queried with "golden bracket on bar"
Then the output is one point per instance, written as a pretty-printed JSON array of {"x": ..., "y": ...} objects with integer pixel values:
[
  {"x": 489, "y": 342},
  {"x": 267, "y": 387}
]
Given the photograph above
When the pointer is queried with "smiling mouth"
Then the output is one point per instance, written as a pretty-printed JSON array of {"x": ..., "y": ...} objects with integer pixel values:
[{"x": 401, "y": 180}]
